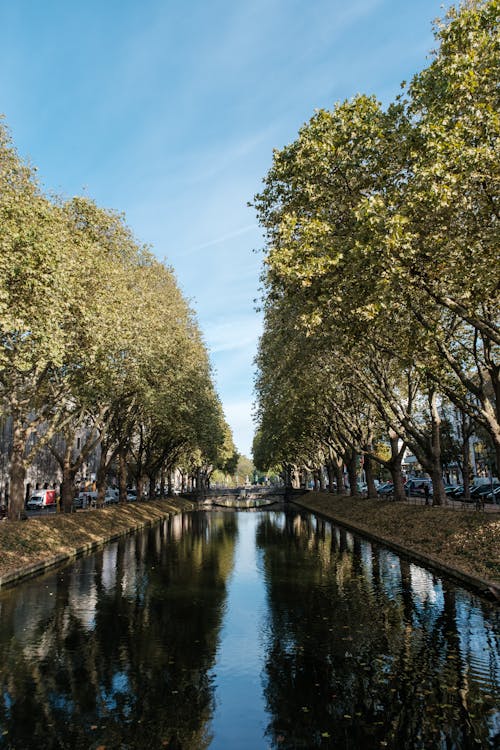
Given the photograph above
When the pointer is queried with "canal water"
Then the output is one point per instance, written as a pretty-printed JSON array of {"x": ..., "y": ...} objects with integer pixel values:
[{"x": 232, "y": 630}]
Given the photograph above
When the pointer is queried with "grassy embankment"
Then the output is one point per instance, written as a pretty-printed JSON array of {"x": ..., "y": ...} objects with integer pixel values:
[
  {"x": 24, "y": 544},
  {"x": 466, "y": 541}
]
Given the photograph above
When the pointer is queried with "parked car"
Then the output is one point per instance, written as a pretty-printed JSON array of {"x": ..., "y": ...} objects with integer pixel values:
[
  {"x": 493, "y": 495},
  {"x": 42, "y": 499},
  {"x": 111, "y": 496},
  {"x": 85, "y": 499},
  {"x": 131, "y": 495},
  {"x": 385, "y": 489},
  {"x": 416, "y": 487},
  {"x": 479, "y": 493}
]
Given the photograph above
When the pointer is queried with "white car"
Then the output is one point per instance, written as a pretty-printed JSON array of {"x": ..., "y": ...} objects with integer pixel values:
[{"x": 111, "y": 496}]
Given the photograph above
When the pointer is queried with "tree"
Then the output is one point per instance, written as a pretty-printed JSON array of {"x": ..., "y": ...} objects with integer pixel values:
[
  {"x": 439, "y": 227},
  {"x": 35, "y": 297}
]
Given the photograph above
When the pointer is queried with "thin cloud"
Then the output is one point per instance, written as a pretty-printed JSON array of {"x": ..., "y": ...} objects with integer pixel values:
[
  {"x": 241, "y": 332},
  {"x": 220, "y": 240}
]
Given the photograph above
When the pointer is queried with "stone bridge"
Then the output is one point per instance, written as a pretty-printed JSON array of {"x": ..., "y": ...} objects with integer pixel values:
[{"x": 243, "y": 497}]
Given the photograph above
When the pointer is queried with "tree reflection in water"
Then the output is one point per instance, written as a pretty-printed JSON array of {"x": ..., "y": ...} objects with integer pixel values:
[
  {"x": 366, "y": 650},
  {"x": 115, "y": 651}
]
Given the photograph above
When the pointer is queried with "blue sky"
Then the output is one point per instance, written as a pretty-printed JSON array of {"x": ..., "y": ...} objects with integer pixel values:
[{"x": 169, "y": 112}]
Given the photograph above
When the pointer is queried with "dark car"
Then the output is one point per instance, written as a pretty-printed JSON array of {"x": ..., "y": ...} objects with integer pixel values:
[
  {"x": 385, "y": 489},
  {"x": 479, "y": 493},
  {"x": 416, "y": 487},
  {"x": 480, "y": 490},
  {"x": 458, "y": 493},
  {"x": 85, "y": 500},
  {"x": 493, "y": 495}
]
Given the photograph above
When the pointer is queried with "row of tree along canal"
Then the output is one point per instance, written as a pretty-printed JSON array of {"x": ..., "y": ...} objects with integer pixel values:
[
  {"x": 380, "y": 299},
  {"x": 100, "y": 352}
]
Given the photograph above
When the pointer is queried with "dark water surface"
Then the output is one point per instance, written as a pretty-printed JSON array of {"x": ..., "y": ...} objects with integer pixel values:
[{"x": 247, "y": 630}]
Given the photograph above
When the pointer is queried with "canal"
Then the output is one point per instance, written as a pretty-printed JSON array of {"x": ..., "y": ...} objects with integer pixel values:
[{"x": 247, "y": 630}]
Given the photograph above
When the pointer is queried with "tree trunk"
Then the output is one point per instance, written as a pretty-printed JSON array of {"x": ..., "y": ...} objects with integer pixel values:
[
  {"x": 350, "y": 458},
  {"x": 465, "y": 458},
  {"x": 438, "y": 493},
  {"x": 397, "y": 482},
  {"x": 162, "y": 480},
  {"x": 68, "y": 481},
  {"x": 140, "y": 486},
  {"x": 302, "y": 478},
  {"x": 101, "y": 481},
  {"x": 395, "y": 467},
  {"x": 330, "y": 469},
  {"x": 321, "y": 475},
  {"x": 339, "y": 474},
  {"x": 17, "y": 475},
  {"x": 152, "y": 486},
  {"x": 122, "y": 475},
  {"x": 368, "y": 467}
]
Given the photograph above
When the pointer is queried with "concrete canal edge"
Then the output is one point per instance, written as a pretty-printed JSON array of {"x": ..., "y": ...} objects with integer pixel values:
[
  {"x": 486, "y": 588},
  {"x": 42, "y": 566}
]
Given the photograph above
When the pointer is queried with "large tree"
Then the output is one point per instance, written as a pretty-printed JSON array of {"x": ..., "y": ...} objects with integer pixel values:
[
  {"x": 36, "y": 291},
  {"x": 439, "y": 227}
]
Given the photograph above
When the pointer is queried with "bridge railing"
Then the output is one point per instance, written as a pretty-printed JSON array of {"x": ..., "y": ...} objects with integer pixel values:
[{"x": 239, "y": 492}]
